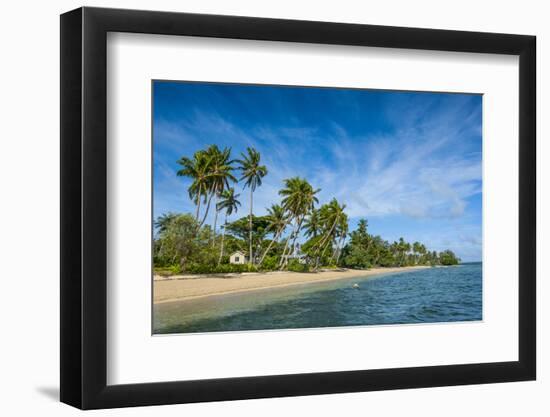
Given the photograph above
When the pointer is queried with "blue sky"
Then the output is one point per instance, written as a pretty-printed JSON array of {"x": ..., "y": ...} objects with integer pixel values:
[{"x": 409, "y": 162}]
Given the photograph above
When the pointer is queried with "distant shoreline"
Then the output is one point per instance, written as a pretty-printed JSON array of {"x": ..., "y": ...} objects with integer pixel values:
[{"x": 182, "y": 287}]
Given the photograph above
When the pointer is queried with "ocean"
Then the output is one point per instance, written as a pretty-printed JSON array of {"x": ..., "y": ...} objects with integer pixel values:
[{"x": 432, "y": 295}]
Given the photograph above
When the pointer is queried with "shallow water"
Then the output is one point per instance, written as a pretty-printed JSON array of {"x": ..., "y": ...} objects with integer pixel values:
[{"x": 430, "y": 295}]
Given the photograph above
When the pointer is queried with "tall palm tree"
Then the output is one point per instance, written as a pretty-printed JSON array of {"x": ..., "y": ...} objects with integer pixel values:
[
  {"x": 278, "y": 220},
  {"x": 331, "y": 214},
  {"x": 422, "y": 251},
  {"x": 407, "y": 251},
  {"x": 341, "y": 232},
  {"x": 252, "y": 173},
  {"x": 312, "y": 224},
  {"x": 416, "y": 248},
  {"x": 198, "y": 170},
  {"x": 220, "y": 175},
  {"x": 403, "y": 247},
  {"x": 298, "y": 199},
  {"x": 228, "y": 202}
]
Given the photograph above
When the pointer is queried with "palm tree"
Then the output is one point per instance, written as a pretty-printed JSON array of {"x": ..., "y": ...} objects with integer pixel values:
[
  {"x": 252, "y": 172},
  {"x": 402, "y": 247},
  {"x": 416, "y": 248},
  {"x": 331, "y": 214},
  {"x": 422, "y": 251},
  {"x": 312, "y": 225},
  {"x": 341, "y": 231},
  {"x": 229, "y": 203},
  {"x": 278, "y": 220},
  {"x": 198, "y": 169},
  {"x": 298, "y": 199},
  {"x": 218, "y": 178},
  {"x": 164, "y": 220},
  {"x": 407, "y": 251}
]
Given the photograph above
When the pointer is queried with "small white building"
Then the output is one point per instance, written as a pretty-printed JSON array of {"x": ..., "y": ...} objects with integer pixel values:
[{"x": 238, "y": 258}]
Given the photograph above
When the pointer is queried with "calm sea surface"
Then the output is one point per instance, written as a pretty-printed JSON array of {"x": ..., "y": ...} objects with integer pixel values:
[{"x": 425, "y": 296}]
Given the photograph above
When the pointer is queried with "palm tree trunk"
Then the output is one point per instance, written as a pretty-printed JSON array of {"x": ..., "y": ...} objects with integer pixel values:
[
  {"x": 223, "y": 238},
  {"x": 322, "y": 254},
  {"x": 325, "y": 242},
  {"x": 197, "y": 212},
  {"x": 296, "y": 233},
  {"x": 215, "y": 220},
  {"x": 206, "y": 212},
  {"x": 275, "y": 239},
  {"x": 333, "y": 256},
  {"x": 336, "y": 249},
  {"x": 340, "y": 248},
  {"x": 282, "y": 261},
  {"x": 328, "y": 235},
  {"x": 326, "y": 246},
  {"x": 250, "y": 230}
]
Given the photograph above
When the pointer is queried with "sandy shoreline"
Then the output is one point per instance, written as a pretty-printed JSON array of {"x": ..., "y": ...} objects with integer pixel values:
[{"x": 167, "y": 290}]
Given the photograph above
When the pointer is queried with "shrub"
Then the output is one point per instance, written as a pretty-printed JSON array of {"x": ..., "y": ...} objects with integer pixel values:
[
  {"x": 270, "y": 263},
  {"x": 175, "y": 269},
  {"x": 219, "y": 269},
  {"x": 296, "y": 266},
  {"x": 166, "y": 271}
]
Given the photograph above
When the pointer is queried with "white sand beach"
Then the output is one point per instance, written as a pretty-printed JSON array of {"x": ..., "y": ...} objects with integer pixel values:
[{"x": 182, "y": 287}]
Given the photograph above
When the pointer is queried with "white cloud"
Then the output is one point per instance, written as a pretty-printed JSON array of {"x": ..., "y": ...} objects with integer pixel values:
[{"x": 413, "y": 171}]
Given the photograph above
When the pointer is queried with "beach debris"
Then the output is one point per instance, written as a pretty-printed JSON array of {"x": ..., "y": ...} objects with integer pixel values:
[{"x": 355, "y": 286}]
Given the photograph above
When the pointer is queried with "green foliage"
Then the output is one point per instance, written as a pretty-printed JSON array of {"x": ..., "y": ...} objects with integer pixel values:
[
  {"x": 310, "y": 246},
  {"x": 357, "y": 258},
  {"x": 296, "y": 266},
  {"x": 365, "y": 251},
  {"x": 270, "y": 263},
  {"x": 251, "y": 170},
  {"x": 181, "y": 246},
  {"x": 185, "y": 244},
  {"x": 175, "y": 269},
  {"x": 163, "y": 222},
  {"x": 205, "y": 255},
  {"x": 219, "y": 269},
  {"x": 239, "y": 228},
  {"x": 176, "y": 242},
  {"x": 167, "y": 271},
  {"x": 447, "y": 257}
]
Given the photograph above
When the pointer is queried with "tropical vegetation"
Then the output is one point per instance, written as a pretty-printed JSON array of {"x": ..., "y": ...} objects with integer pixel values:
[{"x": 298, "y": 233}]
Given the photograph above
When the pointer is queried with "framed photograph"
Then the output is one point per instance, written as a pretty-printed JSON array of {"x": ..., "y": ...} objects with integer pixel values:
[{"x": 259, "y": 208}]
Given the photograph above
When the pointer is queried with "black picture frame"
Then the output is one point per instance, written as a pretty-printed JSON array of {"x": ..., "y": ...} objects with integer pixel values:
[{"x": 84, "y": 207}]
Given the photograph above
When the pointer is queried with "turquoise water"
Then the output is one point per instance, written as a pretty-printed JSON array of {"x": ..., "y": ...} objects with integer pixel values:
[{"x": 432, "y": 295}]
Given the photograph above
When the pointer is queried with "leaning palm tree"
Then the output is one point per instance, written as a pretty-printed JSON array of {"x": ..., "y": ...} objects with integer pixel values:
[
  {"x": 341, "y": 232},
  {"x": 278, "y": 220},
  {"x": 312, "y": 224},
  {"x": 229, "y": 203},
  {"x": 220, "y": 175},
  {"x": 298, "y": 199},
  {"x": 198, "y": 170},
  {"x": 331, "y": 214},
  {"x": 252, "y": 173}
]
